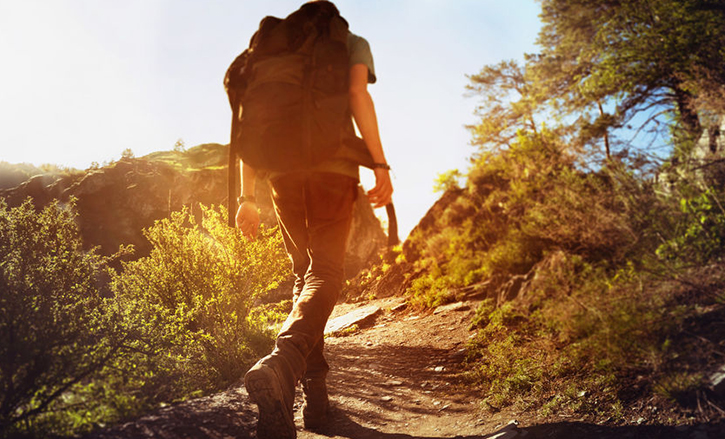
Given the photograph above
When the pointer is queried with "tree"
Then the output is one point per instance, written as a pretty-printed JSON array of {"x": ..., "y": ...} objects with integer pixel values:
[
  {"x": 507, "y": 106},
  {"x": 179, "y": 145},
  {"x": 614, "y": 63}
]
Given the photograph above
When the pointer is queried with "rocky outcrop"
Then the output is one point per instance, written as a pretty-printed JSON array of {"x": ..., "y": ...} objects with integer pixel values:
[
  {"x": 705, "y": 163},
  {"x": 116, "y": 202}
]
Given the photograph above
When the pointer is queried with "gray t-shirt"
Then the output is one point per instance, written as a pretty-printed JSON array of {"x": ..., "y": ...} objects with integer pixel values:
[{"x": 359, "y": 50}]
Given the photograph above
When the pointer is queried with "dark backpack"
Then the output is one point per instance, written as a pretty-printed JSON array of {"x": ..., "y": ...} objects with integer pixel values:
[{"x": 291, "y": 86}]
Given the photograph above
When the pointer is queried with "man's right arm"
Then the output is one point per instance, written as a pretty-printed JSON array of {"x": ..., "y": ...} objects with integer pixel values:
[{"x": 248, "y": 214}]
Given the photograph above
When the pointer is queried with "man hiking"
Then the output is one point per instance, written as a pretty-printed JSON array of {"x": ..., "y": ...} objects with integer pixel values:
[{"x": 313, "y": 197}]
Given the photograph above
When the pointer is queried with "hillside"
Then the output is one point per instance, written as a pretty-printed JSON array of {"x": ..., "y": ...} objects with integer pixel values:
[{"x": 118, "y": 201}]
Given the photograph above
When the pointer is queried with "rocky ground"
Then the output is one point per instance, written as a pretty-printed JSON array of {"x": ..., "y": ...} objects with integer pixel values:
[{"x": 396, "y": 374}]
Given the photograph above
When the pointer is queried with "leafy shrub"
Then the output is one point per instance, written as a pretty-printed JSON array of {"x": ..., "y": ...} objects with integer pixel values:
[
  {"x": 57, "y": 330},
  {"x": 203, "y": 280},
  {"x": 605, "y": 254},
  {"x": 78, "y": 350},
  {"x": 697, "y": 232}
]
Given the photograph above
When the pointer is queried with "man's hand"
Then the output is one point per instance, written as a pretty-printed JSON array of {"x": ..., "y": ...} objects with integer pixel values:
[
  {"x": 381, "y": 194},
  {"x": 248, "y": 219}
]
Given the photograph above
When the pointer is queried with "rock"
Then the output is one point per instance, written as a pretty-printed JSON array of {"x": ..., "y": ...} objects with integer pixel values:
[
  {"x": 360, "y": 317},
  {"x": 717, "y": 381},
  {"x": 508, "y": 432},
  {"x": 399, "y": 307},
  {"x": 458, "y": 306},
  {"x": 459, "y": 355}
]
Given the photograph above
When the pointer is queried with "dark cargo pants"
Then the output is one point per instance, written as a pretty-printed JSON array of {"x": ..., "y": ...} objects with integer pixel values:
[{"x": 314, "y": 211}]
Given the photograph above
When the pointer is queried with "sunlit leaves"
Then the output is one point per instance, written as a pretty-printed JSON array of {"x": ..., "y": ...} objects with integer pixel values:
[
  {"x": 206, "y": 277},
  {"x": 75, "y": 351},
  {"x": 55, "y": 327}
]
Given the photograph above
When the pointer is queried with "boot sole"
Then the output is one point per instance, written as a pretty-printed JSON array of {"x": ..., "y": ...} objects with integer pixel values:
[{"x": 265, "y": 390}]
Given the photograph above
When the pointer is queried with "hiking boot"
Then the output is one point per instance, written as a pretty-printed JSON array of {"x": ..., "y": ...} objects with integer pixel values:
[
  {"x": 316, "y": 404},
  {"x": 271, "y": 386}
]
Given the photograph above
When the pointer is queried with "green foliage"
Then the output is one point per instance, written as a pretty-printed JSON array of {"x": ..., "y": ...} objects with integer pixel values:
[
  {"x": 447, "y": 181},
  {"x": 599, "y": 250},
  {"x": 609, "y": 74},
  {"x": 203, "y": 280},
  {"x": 57, "y": 330},
  {"x": 78, "y": 351},
  {"x": 699, "y": 233},
  {"x": 630, "y": 56},
  {"x": 523, "y": 202},
  {"x": 578, "y": 329},
  {"x": 179, "y": 145},
  {"x": 205, "y": 156}
]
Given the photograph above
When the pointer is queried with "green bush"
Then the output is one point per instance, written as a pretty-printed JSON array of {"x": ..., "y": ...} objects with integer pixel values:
[
  {"x": 606, "y": 255},
  {"x": 82, "y": 345},
  {"x": 57, "y": 331},
  {"x": 203, "y": 280},
  {"x": 697, "y": 233}
]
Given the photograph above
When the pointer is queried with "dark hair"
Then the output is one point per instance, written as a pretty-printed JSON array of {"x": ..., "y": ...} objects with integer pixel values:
[{"x": 324, "y": 4}]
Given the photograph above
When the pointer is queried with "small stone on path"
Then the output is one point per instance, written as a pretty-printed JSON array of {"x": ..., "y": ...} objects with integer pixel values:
[
  {"x": 717, "y": 381},
  {"x": 399, "y": 307},
  {"x": 458, "y": 306},
  {"x": 357, "y": 317}
]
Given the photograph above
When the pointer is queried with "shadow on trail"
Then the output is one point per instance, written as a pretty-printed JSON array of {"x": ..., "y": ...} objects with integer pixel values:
[
  {"x": 342, "y": 426},
  {"x": 365, "y": 376},
  {"x": 579, "y": 430}
]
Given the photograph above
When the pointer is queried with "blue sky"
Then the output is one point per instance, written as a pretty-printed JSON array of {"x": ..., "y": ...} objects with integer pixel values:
[{"x": 82, "y": 80}]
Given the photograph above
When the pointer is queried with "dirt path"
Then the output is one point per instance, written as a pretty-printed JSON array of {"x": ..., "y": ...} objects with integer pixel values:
[
  {"x": 401, "y": 377},
  {"x": 398, "y": 376}
]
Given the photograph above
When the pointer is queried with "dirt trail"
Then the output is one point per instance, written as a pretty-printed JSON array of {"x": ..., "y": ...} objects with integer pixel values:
[
  {"x": 401, "y": 377},
  {"x": 398, "y": 376}
]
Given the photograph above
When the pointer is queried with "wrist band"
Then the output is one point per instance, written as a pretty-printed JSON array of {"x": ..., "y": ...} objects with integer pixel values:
[
  {"x": 380, "y": 166},
  {"x": 245, "y": 198}
]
